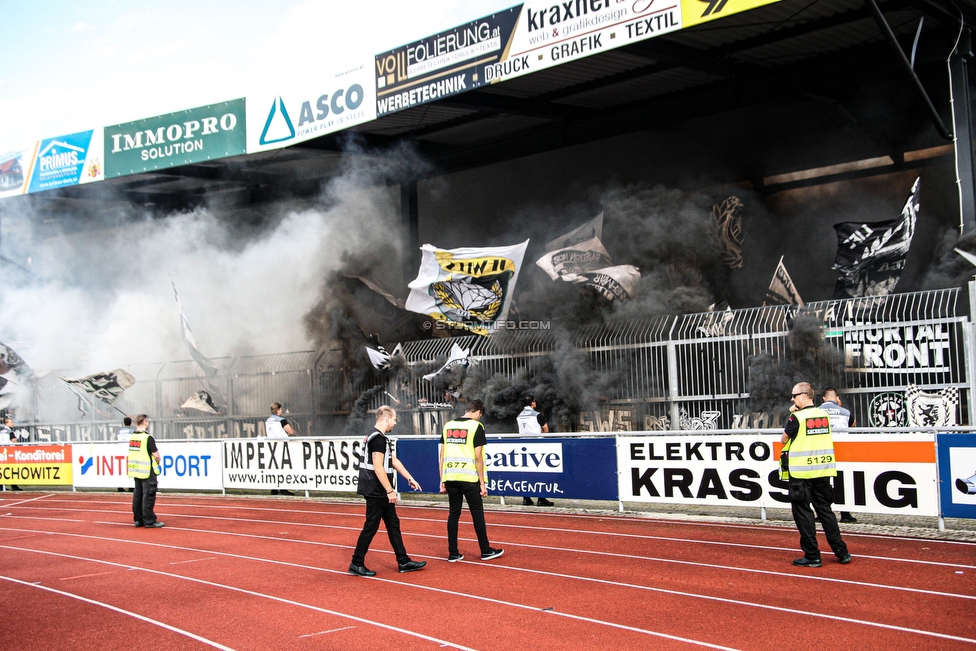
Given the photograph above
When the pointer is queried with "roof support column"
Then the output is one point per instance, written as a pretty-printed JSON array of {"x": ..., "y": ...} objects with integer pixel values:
[
  {"x": 962, "y": 129},
  {"x": 410, "y": 218}
]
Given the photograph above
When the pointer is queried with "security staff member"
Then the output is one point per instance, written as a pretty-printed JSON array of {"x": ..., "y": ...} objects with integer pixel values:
[
  {"x": 808, "y": 462},
  {"x": 276, "y": 427},
  {"x": 381, "y": 500},
  {"x": 531, "y": 422},
  {"x": 463, "y": 477},
  {"x": 143, "y": 467}
]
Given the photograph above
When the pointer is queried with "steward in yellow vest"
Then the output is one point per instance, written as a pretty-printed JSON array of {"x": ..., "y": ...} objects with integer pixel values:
[
  {"x": 464, "y": 478},
  {"x": 143, "y": 467},
  {"x": 808, "y": 462}
]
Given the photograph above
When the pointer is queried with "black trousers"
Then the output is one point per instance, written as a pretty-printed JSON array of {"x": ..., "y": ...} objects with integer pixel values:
[
  {"x": 380, "y": 508},
  {"x": 471, "y": 492},
  {"x": 144, "y": 500},
  {"x": 819, "y": 493}
]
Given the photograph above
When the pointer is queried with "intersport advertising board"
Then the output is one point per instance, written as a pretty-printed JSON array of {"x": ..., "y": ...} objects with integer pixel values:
[
  {"x": 185, "y": 465},
  {"x": 323, "y": 104},
  {"x": 876, "y": 473}
]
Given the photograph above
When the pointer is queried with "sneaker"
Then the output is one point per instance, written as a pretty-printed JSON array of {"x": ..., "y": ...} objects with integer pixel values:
[
  {"x": 284, "y": 492},
  {"x": 847, "y": 518},
  {"x": 844, "y": 560},
  {"x": 140, "y": 524},
  {"x": 454, "y": 558},
  {"x": 544, "y": 502},
  {"x": 155, "y": 525},
  {"x": 274, "y": 491},
  {"x": 492, "y": 553},
  {"x": 527, "y": 501}
]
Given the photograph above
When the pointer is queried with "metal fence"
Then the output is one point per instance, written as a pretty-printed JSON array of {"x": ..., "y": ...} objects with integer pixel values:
[{"x": 686, "y": 372}]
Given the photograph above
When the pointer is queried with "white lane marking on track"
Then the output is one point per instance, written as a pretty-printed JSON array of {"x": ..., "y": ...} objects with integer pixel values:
[
  {"x": 83, "y": 576},
  {"x": 193, "y": 560},
  {"x": 806, "y": 577},
  {"x": 39, "y": 497},
  {"x": 543, "y": 529},
  {"x": 354, "y": 618},
  {"x": 553, "y": 574},
  {"x": 241, "y": 590},
  {"x": 334, "y": 630},
  {"x": 785, "y": 527},
  {"x": 155, "y": 622}
]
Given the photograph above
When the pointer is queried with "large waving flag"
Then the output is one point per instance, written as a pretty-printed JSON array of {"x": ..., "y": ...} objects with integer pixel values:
[
  {"x": 871, "y": 255},
  {"x": 469, "y": 288},
  {"x": 588, "y": 231},
  {"x": 458, "y": 356},
  {"x": 106, "y": 386},
  {"x": 587, "y": 263}
]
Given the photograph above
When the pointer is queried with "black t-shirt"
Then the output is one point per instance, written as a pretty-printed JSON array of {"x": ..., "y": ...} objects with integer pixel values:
[{"x": 151, "y": 445}]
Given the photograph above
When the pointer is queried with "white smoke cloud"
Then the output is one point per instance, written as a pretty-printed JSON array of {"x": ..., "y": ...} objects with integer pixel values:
[{"x": 102, "y": 298}]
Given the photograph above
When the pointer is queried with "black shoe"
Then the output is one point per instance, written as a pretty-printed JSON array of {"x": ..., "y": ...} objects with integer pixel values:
[
  {"x": 847, "y": 518},
  {"x": 411, "y": 566},
  {"x": 492, "y": 553},
  {"x": 454, "y": 558},
  {"x": 140, "y": 524},
  {"x": 527, "y": 501},
  {"x": 808, "y": 562},
  {"x": 844, "y": 560},
  {"x": 121, "y": 490},
  {"x": 544, "y": 502},
  {"x": 155, "y": 525},
  {"x": 16, "y": 488},
  {"x": 361, "y": 570},
  {"x": 284, "y": 492},
  {"x": 274, "y": 491}
]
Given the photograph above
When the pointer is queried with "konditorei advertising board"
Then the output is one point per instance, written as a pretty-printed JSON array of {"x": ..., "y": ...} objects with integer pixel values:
[
  {"x": 184, "y": 465},
  {"x": 35, "y": 465},
  {"x": 274, "y": 464},
  {"x": 326, "y": 103},
  {"x": 876, "y": 473},
  {"x": 190, "y": 136}
]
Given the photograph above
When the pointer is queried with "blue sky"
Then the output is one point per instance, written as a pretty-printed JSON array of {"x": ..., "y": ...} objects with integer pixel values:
[{"x": 71, "y": 66}]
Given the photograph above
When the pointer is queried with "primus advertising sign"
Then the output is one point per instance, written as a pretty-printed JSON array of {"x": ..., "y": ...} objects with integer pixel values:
[
  {"x": 317, "y": 465},
  {"x": 35, "y": 465},
  {"x": 68, "y": 160},
  {"x": 444, "y": 64},
  {"x": 875, "y": 473},
  {"x": 328, "y": 104},
  {"x": 190, "y": 136}
]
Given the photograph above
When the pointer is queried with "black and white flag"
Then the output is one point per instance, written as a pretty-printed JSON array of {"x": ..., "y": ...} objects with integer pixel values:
[
  {"x": 208, "y": 367},
  {"x": 106, "y": 386},
  {"x": 588, "y": 231},
  {"x": 201, "y": 401},
  {"x": 871, "y": 255},
  {"x": 458, "y": 356},
  {"x": 380, "y": 359},
  {"x": 781, "y": 290}
]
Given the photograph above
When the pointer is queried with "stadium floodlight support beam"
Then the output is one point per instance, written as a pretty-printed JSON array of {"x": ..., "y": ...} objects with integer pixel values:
[
  {"x": 410, "y": 217},
  {"x": 961, "y": 102}
]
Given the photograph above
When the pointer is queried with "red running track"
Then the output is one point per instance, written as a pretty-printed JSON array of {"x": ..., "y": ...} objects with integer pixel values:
[{"x": 251, "y": 573}]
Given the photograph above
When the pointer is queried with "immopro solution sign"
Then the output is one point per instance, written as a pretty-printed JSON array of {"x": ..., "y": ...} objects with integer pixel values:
[{"x": 190, "y": 136}]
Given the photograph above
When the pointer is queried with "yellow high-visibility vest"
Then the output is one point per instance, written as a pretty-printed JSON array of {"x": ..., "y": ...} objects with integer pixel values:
[
  {"x": 140, "y": 461},
  {"x": 811, "y": 453},
  {"x": 459, "y": 460}
]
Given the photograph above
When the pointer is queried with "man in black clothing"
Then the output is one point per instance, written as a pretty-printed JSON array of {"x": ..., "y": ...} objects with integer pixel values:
[
  {"x": 381, "y": 500},
  {"x": 462, "y": 467},
  {"x": 144, "y": 460}
]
